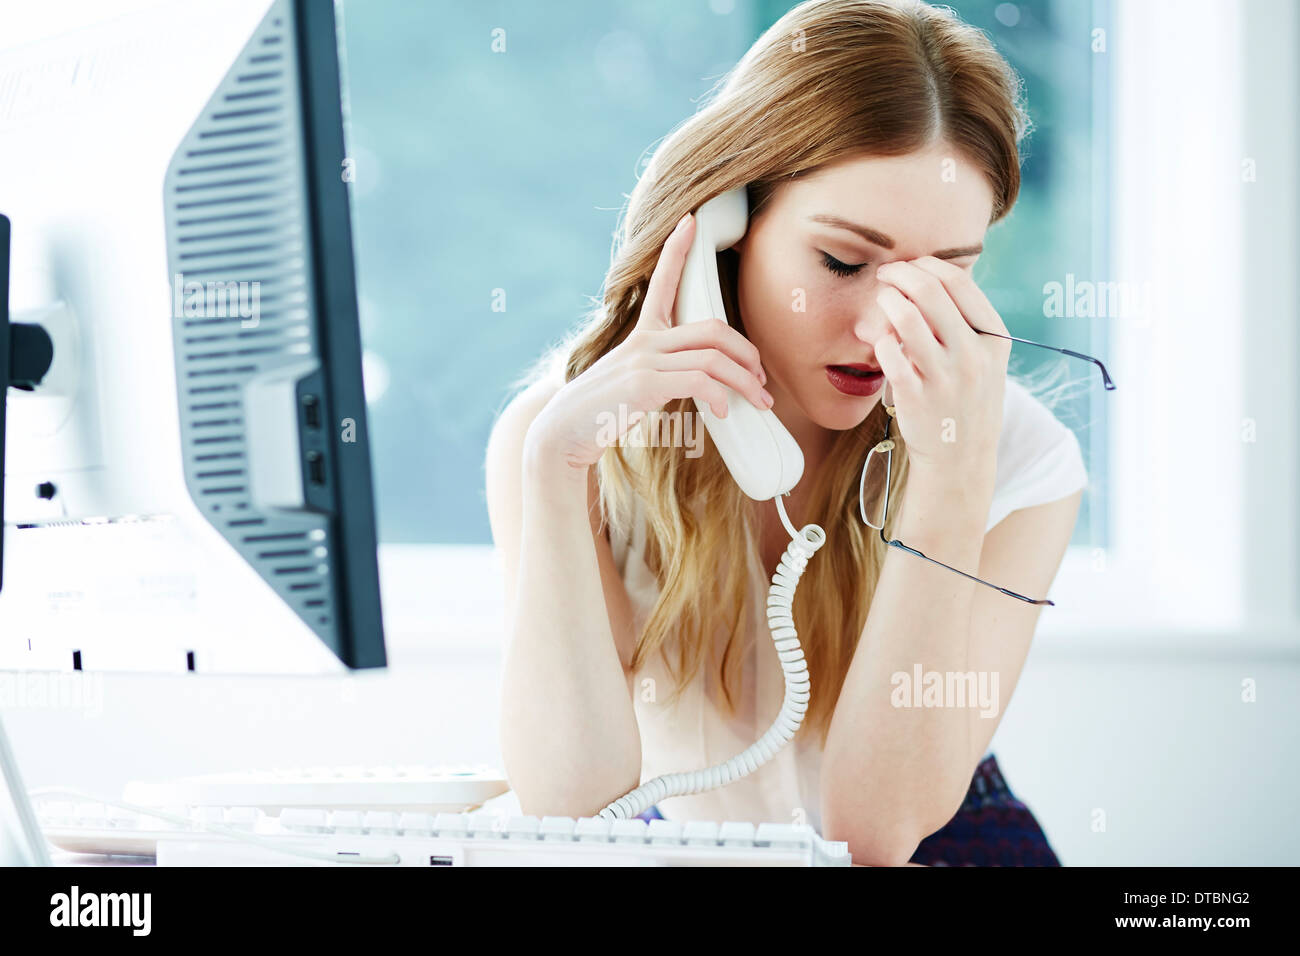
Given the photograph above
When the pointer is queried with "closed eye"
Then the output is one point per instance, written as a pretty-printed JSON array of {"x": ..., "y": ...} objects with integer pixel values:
[{"x": 840, "y": 268}]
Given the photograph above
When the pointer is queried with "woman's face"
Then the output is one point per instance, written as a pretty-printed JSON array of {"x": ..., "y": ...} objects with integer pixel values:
[{"x": 807, "y": 288}]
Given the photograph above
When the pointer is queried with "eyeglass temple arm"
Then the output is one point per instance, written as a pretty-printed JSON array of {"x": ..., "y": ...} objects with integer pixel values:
[
  {"x": 1105, "y": 376},
  {"x": 1028, "y": 600},
  {"x": 889, "y": 409},
  {"x": 1110, "y": 386}
]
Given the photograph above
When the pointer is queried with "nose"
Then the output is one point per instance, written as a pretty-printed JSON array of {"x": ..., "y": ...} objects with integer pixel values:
[{"x": 870, "y": 322}]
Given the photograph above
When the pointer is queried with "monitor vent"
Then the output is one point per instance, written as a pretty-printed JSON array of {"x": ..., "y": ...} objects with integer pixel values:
[{"x": 237, "y": 234}]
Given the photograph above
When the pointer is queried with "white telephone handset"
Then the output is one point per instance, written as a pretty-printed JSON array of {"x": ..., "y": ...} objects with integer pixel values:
[
  {"x": 766, "y": 462},
  {"x": 761, "y": 455}
]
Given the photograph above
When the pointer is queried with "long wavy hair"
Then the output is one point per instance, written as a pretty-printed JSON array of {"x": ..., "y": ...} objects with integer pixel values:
[{"x": 830, "y": 79}]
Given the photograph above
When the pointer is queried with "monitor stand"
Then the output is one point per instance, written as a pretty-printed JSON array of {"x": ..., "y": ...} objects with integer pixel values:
[{"x": 21, "y": 840}]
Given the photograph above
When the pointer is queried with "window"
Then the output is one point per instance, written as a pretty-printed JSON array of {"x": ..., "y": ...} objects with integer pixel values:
[
  {"x": 488, "y": 185},
  {"x": 485, "y": 178}
]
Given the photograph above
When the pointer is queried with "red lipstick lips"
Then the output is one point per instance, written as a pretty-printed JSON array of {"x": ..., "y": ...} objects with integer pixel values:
[{"x": 857, "y": 379}]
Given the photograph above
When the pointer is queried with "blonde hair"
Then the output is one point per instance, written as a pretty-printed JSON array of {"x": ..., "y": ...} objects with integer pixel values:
[{"x": 829, "y": 80}]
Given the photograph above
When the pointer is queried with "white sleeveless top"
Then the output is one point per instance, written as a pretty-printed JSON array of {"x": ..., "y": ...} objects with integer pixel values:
[{"x": 1039, "y": 460}]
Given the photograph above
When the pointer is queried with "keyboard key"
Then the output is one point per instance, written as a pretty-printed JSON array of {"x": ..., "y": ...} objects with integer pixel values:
[
  {"x": 487, "y": 825},
  {"x": 557, "y": 828},
  {"x": 592, "y": 830},
  {"x": 835, "y": 852},
  {"x": 416, "y": 823},
  {"x": 700, "y": 833},
  {"x": 784, "y": 836},
  {"x": 451, "y": 824},
  {"x": 629, "y": 831},
  {"x": 380, "y": 821},
  {"x": 522, "y": 828},
  {"x": 737, "y": 833},
  {"x": 346, "y": 821},
  {"x": 304, "y": 820},
  {"x": 666, "y": 832}
]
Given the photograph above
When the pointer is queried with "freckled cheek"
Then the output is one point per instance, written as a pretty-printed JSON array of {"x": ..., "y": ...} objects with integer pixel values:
[
  {"x": 764, "y": 302},
  {"x": 797, "y": 333},
  {"x": 790, "y": 314}
]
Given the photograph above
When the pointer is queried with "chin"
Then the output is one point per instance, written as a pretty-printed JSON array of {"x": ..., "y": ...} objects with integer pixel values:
[{"x": 840, "y": 412}]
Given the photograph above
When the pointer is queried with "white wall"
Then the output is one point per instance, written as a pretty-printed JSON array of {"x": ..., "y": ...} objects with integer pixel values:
[{"x": 1184, "y": 771}]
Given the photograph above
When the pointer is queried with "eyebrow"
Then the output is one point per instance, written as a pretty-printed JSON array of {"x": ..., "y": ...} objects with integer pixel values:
[{"x": 878, "y": 238}]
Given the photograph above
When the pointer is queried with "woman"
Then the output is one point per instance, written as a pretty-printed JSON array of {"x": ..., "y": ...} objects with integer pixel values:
[{"x": 878, "y": 141}]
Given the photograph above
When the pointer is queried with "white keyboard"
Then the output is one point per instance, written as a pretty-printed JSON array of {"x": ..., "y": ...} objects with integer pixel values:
[
  {"x": 412, "y": 838},
  {"x": 445, "y": 788}
]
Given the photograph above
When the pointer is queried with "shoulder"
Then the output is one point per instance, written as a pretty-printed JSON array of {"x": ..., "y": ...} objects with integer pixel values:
[
  {"x": 517, "y": 414},
  {"x": 505, "y": 446},
  {"x": 1039, "y": 457}
]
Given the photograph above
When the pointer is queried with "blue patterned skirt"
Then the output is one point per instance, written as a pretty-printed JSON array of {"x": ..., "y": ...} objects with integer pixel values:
[{"x": 991, "y": 828}]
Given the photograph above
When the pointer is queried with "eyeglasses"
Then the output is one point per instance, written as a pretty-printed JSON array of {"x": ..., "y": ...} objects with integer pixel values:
[{"x": 886, "y": 447}]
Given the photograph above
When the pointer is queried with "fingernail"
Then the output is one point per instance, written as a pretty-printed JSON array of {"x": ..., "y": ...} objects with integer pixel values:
[
  {"x": 681, "y": 223},
  {"x": 762, "y": 377},
  {"x": 767, "y": 397}
]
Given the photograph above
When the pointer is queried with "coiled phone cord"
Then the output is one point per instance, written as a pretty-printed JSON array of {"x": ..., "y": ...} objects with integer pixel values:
[{"x": 780, "y": 599}]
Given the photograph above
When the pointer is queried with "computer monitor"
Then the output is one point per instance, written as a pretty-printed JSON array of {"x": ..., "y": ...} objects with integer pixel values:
[{"x": 189, "y": 486}]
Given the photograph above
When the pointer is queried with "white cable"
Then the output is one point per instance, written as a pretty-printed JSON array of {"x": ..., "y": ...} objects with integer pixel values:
[
  {"x": 780, "y": 598},
  {"x": 217, "y": 828}
]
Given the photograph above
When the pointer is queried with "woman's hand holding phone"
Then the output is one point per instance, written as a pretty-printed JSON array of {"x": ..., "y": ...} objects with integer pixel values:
[{"x": 656, "y": 363}]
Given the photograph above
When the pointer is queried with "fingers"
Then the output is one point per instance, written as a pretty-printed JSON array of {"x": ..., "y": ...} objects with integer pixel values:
[
  {"x": 931, "y": 297},
  {"x": 692, "y": 383},
  {"x": 700, "y": 360},
  {"x": 661, "y": 293},
  {"x": 715, "y": 333},
  {"x": 897, "y": 367},
  {"x": 722, "y": 368},
  {"x": 969, "y": 298},
  {"x": 913, "y": 331}
]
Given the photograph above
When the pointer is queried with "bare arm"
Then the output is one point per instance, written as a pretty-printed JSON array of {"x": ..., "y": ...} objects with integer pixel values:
[{"x": 569, "y": 736}]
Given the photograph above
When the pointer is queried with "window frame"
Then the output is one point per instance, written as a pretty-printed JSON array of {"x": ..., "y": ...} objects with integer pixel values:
[{"x": 1188, "y": 561}]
